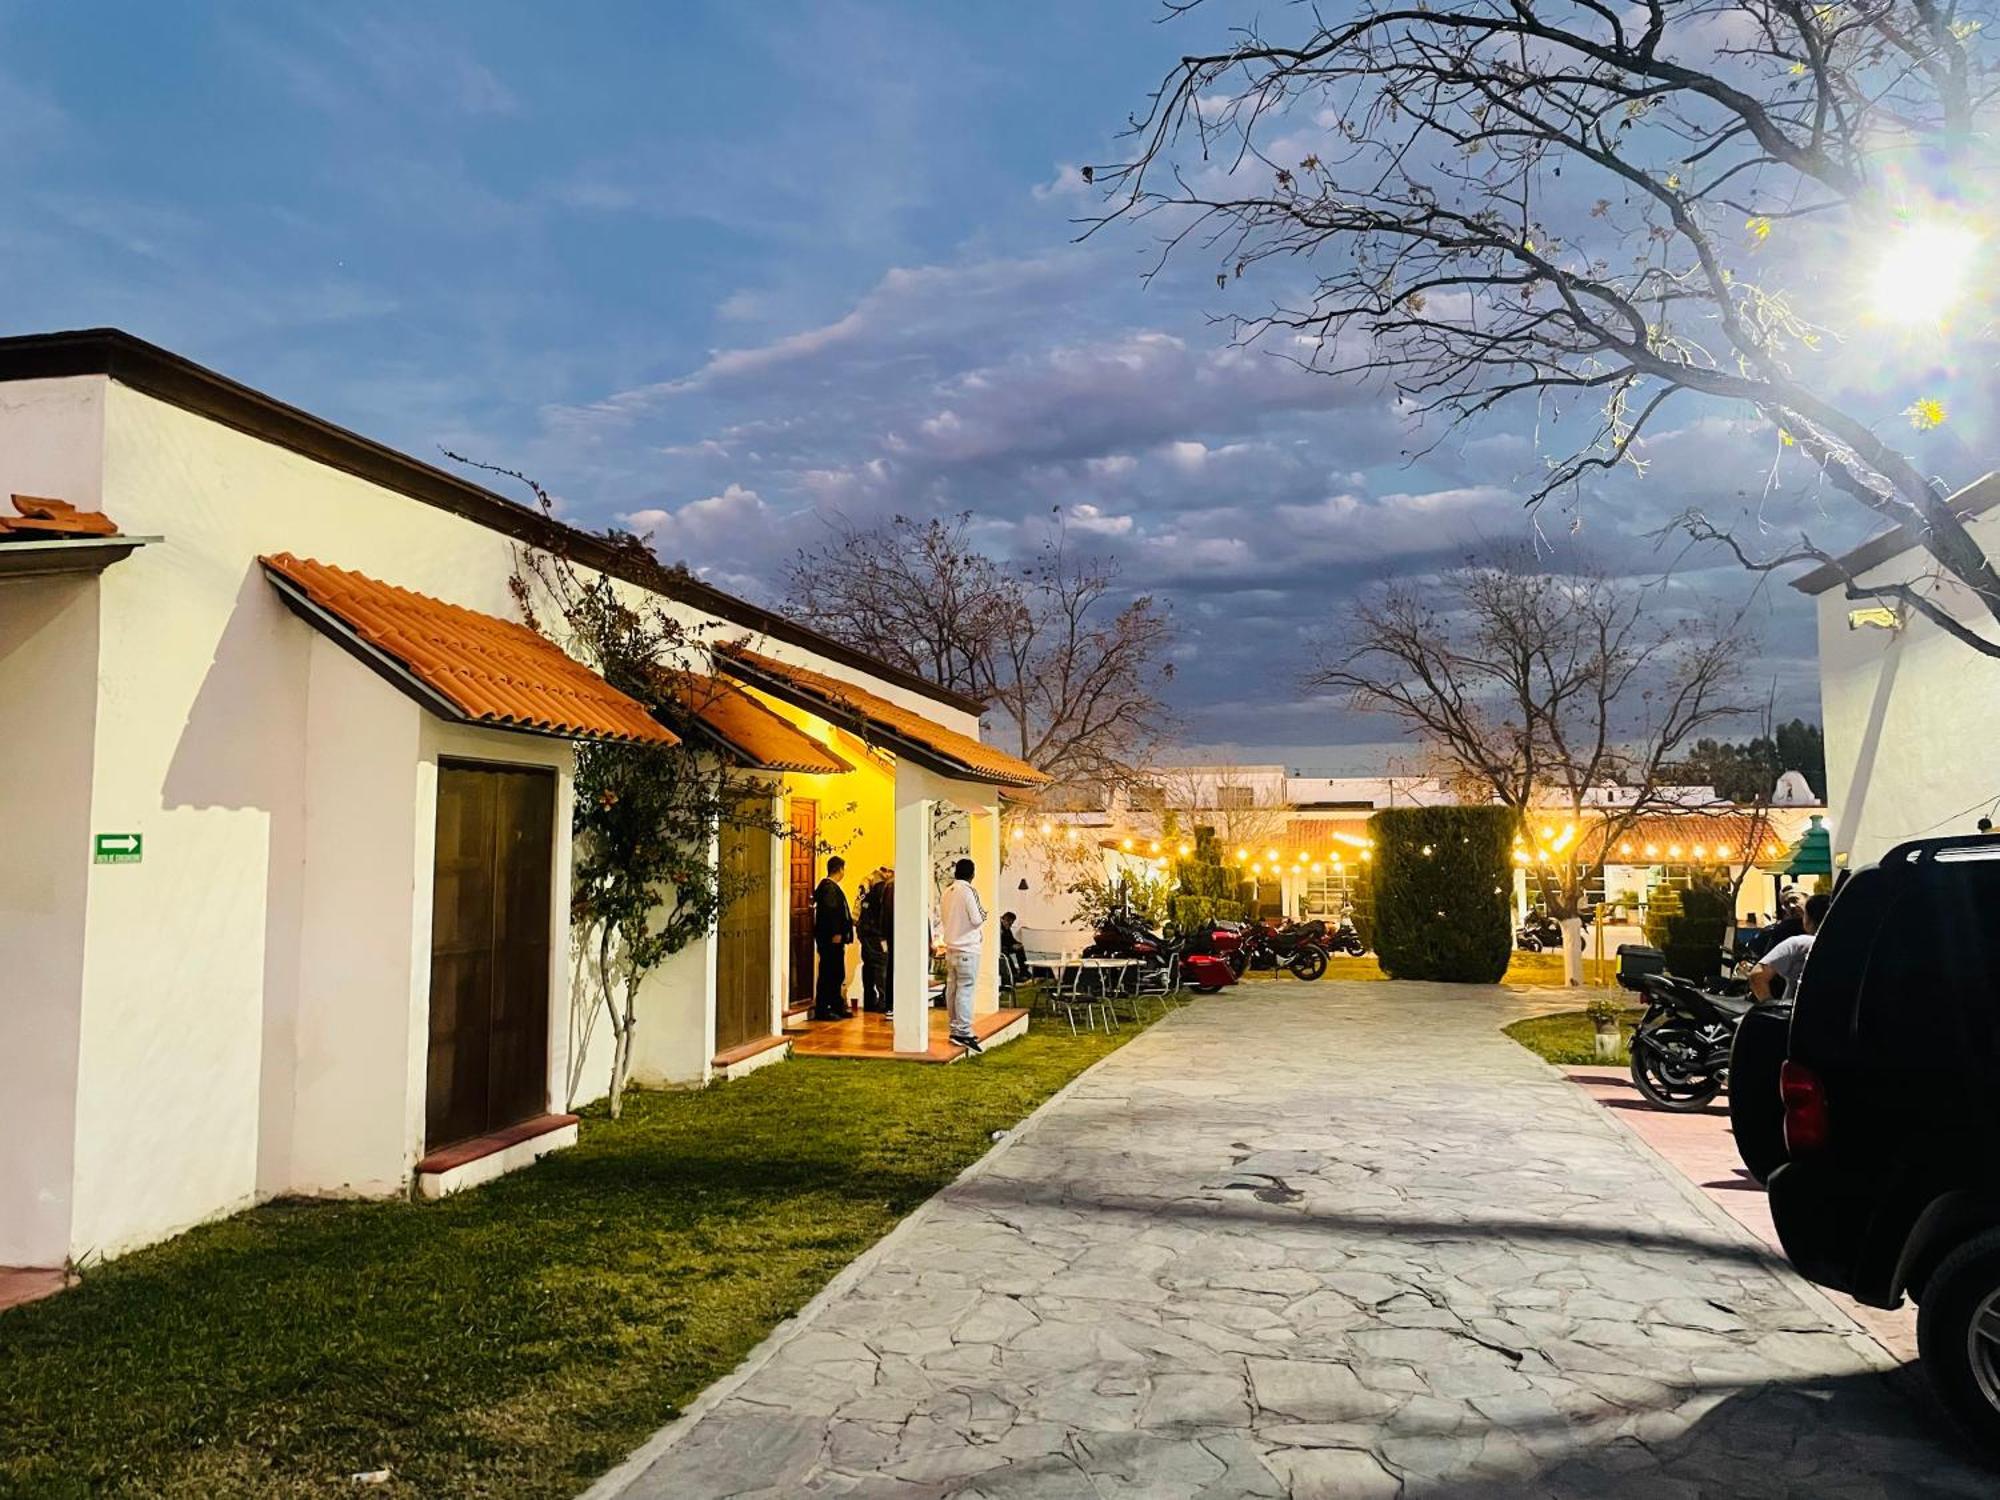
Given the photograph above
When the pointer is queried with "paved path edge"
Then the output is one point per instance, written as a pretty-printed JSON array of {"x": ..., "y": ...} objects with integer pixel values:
[
  {"x": 614, "y": 1483},
  {"x": 1878, "y": 1355}
]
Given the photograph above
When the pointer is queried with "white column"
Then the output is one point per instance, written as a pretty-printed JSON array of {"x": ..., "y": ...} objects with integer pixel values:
[
  {"x": 910, "y": 979},
  {"x": 985, "y": 818}
]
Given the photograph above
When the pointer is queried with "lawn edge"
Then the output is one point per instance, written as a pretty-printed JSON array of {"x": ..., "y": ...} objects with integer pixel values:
[
  {"x": 616, "y": 1481},
  {"x": 1877, "y": 1354}
]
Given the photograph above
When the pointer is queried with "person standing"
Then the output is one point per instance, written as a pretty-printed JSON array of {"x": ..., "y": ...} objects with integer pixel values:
[
  {"x": 878, "y": 935},
  {"x": 962, "y": 927},
  {"x": 833, "y": 930}
]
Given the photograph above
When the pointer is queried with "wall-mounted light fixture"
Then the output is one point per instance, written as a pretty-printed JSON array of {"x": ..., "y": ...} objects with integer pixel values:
[{"x": 1881, "y": 616}]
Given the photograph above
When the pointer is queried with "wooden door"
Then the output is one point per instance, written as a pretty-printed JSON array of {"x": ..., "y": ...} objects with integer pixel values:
[
  {"x": 804, "y": 843},
  {"x": 743, "y": 954},
  {"x": 490, "y": 936}
]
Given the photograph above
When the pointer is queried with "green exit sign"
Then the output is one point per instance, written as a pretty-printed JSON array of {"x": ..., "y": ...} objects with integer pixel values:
[{"x": 118, "y": 848}]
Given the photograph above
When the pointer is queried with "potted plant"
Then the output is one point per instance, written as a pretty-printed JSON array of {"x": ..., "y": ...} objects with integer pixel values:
[{"x": 1603, "y": 1013}]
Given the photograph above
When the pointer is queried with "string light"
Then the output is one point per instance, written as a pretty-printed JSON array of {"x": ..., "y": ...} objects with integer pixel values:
[
  {"x": 1047, "y": 829},
  {"x": 1186, "y": 850}
]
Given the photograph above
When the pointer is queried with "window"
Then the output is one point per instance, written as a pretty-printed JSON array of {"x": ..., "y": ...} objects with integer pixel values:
[
  {"x": 1235, "y": 798},
  {"x": 1327, "y": 893},
  {"x": 1931, "y": 988}
]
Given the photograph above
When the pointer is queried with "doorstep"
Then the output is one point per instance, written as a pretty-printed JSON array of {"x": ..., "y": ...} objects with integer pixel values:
[
  {"x": 740, "y": 1062},
  {"x": 452, "y": 1169},
  {"x": 20, "y": 1285}
]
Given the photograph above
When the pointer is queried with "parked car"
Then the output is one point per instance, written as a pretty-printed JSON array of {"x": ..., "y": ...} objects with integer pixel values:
[{"x": 1886, "y": 1180}]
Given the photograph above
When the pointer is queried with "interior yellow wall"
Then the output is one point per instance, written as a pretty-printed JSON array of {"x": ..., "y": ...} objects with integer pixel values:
[{"x": 864, "y": 834}]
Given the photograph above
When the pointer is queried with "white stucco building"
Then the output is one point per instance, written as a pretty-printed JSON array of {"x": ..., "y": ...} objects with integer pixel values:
[
  {"x": 283, "y": 901},
  {"x": 1912, "y": 716}
]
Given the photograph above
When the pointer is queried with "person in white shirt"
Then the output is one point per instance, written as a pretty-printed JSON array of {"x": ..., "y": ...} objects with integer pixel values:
[
  {"x": 1787, "y": 959},
  {"x": 962, "y": 931}
]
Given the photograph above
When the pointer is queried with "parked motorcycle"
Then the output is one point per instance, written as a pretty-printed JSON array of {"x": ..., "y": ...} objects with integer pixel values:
[
  {"x": 1543, "y": 931},
  {"x": 1297, "y": 946},
  {"x": 1125, "y": 935},
  {"x": 1680, "y": 1048},
  {"x": 1342, "y": 938}
]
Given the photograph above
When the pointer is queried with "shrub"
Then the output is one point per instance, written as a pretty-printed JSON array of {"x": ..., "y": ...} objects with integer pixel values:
[
  {"x": 1441, "y": 877},
  {"x": 1192, "y": 911},
  {"x": 1662, "y": 907},
  {"x": 1693, "y": 936}
]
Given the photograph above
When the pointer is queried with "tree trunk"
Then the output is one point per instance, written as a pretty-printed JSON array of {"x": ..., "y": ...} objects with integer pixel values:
[
  {"x": 1572, "y": 943},
  {"x": 623, "y": 1024}
]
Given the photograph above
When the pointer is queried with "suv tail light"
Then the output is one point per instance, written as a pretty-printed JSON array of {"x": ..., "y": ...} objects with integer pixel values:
[{"x": 1807, "y": 1120}]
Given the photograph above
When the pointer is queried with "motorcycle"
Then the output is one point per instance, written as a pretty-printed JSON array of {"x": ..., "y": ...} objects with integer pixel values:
[
  {"x": 1125, "y": 935},
  {"x": 1543, "y": 931},
  {"x": 1297, "y": 946},
  {"x": 1680, "y": 1048},
  {"x": 1344, "y": 939}
]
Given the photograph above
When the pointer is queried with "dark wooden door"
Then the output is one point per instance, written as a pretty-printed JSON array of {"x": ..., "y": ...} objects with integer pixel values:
[
  {"x": 805, "y": 840},
  {"x": 490, "y": 920},
  {"x": 743, "y": 955}
]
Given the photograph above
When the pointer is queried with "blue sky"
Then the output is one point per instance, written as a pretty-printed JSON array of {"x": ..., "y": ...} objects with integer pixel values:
[{"x": 716, "y": 270}]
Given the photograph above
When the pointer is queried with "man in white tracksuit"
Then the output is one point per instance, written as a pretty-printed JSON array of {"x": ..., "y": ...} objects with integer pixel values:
[{"x": 962, "y": 928}]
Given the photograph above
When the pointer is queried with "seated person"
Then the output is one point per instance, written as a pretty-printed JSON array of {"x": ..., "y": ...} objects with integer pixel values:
[
  {"x": 1013, "y": 952},
  {"x": 1777, "y": 972}
]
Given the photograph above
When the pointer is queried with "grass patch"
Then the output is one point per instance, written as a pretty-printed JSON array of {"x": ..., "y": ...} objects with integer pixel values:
[
  {"x": 1569, "y": 1040},
  {"x": 513, "y": 1341},
  {"x": 1540, "y": 969}
]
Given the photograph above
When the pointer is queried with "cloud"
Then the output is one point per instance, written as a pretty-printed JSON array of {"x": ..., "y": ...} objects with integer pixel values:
[
  {"x": 1092, "y": 521},
  {"x": 1067, "y": 183},
  {"x": 703, "y": 531}
]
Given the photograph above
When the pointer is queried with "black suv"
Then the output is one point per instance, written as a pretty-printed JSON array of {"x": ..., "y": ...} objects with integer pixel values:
[{"x": 1887, "y": 1180}]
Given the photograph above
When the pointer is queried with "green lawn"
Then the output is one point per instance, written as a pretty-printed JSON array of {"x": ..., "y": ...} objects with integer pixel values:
[
  {"x": 513, "y": 1341},
  {"x": 1522, "y": 968},
  {"x": 1568, "y": 1039}
]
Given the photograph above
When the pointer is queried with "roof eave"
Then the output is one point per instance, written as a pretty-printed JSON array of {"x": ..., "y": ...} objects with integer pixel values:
[
  {"x": 1982, "y": 495},
  {"x": 864, "y": 727},
  {"x": 400, "y": 677},
  {"x": 66, "y": 554}
]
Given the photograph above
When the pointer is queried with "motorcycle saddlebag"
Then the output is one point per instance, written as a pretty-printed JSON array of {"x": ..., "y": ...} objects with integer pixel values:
[{"x": 1635, "y": 961}]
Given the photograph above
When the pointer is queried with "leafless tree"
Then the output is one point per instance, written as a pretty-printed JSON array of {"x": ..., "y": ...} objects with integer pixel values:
[
  {"x": 1226, "y": 798},
  {"x": 1540, "y": 690},
  {"x": 1072, "y": 662},
  {"x": 1603, "y": 211}
]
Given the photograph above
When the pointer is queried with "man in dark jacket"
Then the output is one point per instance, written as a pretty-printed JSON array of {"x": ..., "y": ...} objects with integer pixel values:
[
  {"x": 878, "y": 939},
  {"x": 833, "y": 929}
]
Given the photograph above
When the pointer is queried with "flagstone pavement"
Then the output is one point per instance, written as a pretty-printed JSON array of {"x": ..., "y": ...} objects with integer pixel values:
[{"x": 1339, "y": 1240}]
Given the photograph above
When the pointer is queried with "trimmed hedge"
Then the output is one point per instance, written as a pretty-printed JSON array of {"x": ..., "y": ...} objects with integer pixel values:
[
  {"x": 1441, "y": 877},
  {"x": 1209, "y": 890},
  {"x": 1695, "y": 934}
]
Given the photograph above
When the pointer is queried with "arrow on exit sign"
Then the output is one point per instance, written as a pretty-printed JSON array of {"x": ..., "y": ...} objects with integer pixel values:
[{"x": 117, "y": 848}]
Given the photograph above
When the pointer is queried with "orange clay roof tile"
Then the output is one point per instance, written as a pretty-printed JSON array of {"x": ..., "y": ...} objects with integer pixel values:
[
  {"x": 41, "y": 519},
  {"x": 493, "y": 671},
  {"x": 976, "y": 761},
  {"x": 760, "y": 736}
]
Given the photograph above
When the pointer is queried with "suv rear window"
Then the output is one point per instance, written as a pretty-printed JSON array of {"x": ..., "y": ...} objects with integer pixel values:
[
  {"x": 1931, "y": 988},
  {"x": 1824, "y": 1019}
]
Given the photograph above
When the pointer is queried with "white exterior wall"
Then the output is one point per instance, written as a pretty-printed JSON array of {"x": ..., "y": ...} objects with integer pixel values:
[
  {"x": 1912, "y": 719},
  {"x": 49, "y": 445},
  {"x": 48, "y": 658},
  {"x": 245, "y": 1011}
]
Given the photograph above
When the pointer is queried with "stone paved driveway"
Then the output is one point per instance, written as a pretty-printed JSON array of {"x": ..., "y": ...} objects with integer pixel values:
[{"x": 1335, "y": 1240}]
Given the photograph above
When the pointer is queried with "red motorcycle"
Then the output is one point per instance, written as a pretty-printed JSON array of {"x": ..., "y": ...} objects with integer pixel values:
[{"x": 1122, "y": 935}]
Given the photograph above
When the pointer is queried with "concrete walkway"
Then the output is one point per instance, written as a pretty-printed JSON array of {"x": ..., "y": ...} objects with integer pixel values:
[{"x": 1333, "y": 1240}]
